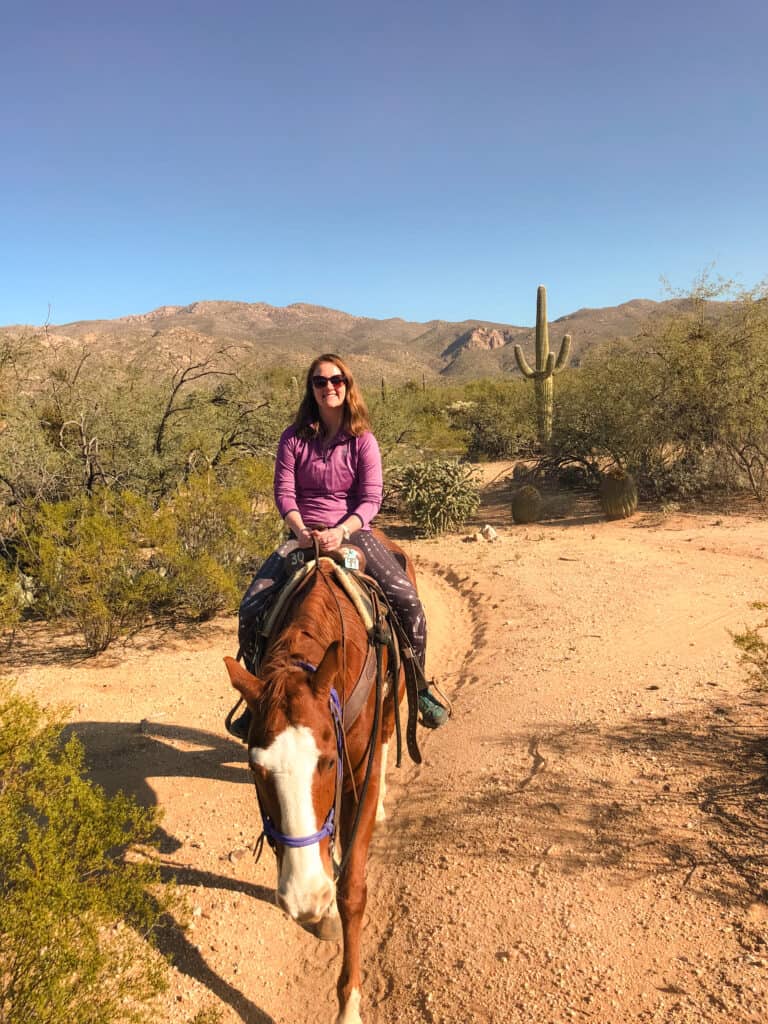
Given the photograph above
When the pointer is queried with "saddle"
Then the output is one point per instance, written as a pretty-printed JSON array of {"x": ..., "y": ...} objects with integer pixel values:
[{"x": 381, "y": 624}]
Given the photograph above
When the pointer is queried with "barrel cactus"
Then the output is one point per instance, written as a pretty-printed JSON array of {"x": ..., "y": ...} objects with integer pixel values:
[
  {"x": 618, "y": 494},
  {"x": 526, "y": 505}
]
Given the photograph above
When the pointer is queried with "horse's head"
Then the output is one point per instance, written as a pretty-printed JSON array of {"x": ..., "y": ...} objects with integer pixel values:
[{"x": 293, "y": 754}]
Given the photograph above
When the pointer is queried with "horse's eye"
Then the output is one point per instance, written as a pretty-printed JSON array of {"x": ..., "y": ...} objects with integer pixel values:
[{"x": 330, "y": 763}]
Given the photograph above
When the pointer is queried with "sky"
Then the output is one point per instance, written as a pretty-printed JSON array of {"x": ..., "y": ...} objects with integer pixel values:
[{"x": 429, "y": 159}]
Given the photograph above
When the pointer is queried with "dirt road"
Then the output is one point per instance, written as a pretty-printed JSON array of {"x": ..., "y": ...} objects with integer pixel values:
[{"x": 586, "y": 839}]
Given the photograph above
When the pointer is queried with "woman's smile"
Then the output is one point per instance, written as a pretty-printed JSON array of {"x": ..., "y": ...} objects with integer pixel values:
[{"x": 329, "y": 386}]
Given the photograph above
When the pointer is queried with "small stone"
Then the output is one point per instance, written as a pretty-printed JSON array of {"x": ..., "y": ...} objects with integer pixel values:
[
  {"x": 489, "y": 533},
  {"x": 757, "y": 912}
]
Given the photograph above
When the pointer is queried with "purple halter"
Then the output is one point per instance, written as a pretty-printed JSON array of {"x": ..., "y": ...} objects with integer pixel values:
[{"x": 273, "y": 836}]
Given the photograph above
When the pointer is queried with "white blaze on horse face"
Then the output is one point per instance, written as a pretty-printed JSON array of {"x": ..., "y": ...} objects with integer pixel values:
[{"x": 303, "y": 888}]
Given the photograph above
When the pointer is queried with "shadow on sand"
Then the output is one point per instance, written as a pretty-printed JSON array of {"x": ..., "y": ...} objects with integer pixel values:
[
  {"x": 681, "y": 795},
  {"x": 123, "y": 756}
]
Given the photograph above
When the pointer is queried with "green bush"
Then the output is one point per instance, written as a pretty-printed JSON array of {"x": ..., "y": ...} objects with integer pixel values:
[
  {"x": 108, "y": 562},
  {"x": 12, "y": 599},
  {"x": 76, "y": 867},
  {"x": 498, "y": 420},
  {"x": 76, "y": 421},
  {"x": 409, "y": 421},
  {"x": 88, "y": 562},
  {"x": 210, "y": 537},
  {"x": 683, "y": 407},
  {"x": 753, "y": 645},
  {"x": 609, "y": 409},
  {"x": 440, "y": 495}
]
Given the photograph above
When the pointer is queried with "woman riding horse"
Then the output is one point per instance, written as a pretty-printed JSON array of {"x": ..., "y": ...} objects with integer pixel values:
[{"x": 328, "y": 488}]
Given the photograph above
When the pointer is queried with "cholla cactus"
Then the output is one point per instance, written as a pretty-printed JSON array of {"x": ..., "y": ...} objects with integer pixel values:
[{"x": 546, "y": 368}]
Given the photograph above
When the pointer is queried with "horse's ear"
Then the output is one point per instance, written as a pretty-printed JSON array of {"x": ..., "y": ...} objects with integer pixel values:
[
  {"x": 328, "y": 670},
  {"x": 248, "y": 684}
]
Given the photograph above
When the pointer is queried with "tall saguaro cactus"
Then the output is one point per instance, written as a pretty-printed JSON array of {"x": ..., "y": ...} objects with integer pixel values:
[{"x": 546, "y": 367}]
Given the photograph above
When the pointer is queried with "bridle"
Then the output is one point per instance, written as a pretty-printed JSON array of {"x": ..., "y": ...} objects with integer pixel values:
[{"x": 272, "y": 834}]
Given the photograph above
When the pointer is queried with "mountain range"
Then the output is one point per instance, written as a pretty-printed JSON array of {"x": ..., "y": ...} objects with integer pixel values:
[{"x": 292, "y": 335}]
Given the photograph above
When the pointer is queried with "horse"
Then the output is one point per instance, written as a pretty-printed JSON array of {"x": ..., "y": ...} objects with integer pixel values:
[{"x": 317, "y": 773}]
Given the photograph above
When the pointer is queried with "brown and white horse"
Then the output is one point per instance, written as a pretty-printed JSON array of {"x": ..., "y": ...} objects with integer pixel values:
[{"x": 309, "y": 770}]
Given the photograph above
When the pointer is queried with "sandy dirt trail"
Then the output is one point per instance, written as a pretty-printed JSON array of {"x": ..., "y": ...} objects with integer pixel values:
[{"x": 585, "y": 840}]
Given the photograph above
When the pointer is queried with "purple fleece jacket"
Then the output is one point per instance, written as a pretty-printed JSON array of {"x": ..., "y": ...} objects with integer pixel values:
[{"x": 327, "y": 484}]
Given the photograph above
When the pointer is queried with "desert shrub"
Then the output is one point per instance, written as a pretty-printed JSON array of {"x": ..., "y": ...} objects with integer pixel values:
[
  {"x": 79, "y": 422},
  {"x": 88, "y": 563},
  {"x": 716, "y": 376},
  {"x": 683, "y": 407},
  {"x": 609, "y": 409},
  {"x": 410, "y": 421},
  {"x": 439, "y": 495},
  {"x": 210, "y": 537},
  {"x": 109, "y": 561},
  {"x": 208, "y": 1015},
  {"x": 753, "y": 647},
  {"x": 75, "y": 868},
  {"x": 497, "y": 419},
  {"x": 12, "y": 598},
  {"x": 197, "y": 588}
]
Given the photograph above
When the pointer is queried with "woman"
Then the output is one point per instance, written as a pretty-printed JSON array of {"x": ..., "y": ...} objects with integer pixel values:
[{"x": 328, "y": 485}]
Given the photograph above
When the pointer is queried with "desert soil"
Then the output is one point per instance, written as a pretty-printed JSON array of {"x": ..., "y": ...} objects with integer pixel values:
[{"x": 586, "y": 838}]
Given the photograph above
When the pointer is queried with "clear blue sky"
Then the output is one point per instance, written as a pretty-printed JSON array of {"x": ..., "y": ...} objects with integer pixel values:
[{"x": 433, "y": 159}]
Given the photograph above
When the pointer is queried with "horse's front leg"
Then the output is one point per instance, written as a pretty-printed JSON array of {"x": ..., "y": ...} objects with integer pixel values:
[{"x": 352, "y": 894}]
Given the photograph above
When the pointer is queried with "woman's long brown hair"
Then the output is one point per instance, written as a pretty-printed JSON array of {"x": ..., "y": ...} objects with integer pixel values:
[{"x": 356, "y": 419}]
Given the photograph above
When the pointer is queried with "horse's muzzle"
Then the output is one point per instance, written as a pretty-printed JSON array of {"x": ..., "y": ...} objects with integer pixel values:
[{"x": 308, "y": 906}]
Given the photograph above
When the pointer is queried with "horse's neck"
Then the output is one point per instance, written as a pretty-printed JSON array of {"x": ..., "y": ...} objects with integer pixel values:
[
  {"x": 318, "y": 618},
  {"x": 307, "y": 629}
]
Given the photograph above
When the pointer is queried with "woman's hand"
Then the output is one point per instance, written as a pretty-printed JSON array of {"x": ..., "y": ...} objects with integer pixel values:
[
  {"x": 331, "y": 539},
  {"x": 304, "y": 537}
]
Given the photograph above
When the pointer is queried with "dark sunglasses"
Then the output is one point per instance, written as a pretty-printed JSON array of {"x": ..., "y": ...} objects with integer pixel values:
[{"x": 320, "y": 382}]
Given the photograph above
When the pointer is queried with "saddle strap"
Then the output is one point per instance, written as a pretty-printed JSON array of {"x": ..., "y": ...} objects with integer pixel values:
[
  {"x": 412, "y": 671},
  {"x": 358, "y": 698},
  {"x": 411, "y": 689},
  {"x": 401, "y": 653}
]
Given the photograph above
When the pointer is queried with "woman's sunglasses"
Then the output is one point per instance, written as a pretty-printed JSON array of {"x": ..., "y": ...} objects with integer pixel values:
[{"x": 320, "y": 382}]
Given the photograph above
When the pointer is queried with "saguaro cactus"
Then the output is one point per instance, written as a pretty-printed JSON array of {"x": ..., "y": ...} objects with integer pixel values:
[{"x": 546, "y": 367}]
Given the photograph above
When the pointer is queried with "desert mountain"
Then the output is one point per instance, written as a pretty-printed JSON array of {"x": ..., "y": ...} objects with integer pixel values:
[{"x": 290, "y": 335}]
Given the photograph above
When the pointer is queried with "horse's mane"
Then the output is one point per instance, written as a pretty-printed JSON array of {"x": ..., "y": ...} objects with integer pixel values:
[{"x": 310, "y": 625}]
